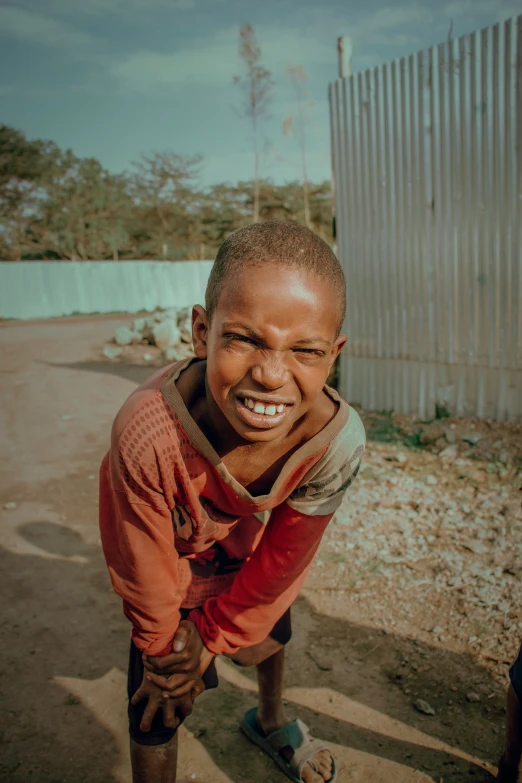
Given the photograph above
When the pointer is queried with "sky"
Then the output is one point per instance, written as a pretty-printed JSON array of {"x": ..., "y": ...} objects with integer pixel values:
[{"x": 116, "y": 79}]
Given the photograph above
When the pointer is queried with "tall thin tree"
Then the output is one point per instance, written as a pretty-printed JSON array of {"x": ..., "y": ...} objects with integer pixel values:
[
  {"x": 299, "y": 81},
  {"x": 257, "y": 86}
]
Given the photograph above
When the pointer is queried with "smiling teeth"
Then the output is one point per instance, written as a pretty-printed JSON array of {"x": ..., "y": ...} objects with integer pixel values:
[{"x": 258, "y": 407}]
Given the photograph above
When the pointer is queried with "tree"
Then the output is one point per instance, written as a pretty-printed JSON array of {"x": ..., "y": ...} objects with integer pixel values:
[
  {"x": 257, "y": 87},
  {"x": 299, "y": 81},
  {"x": 164, "y": 195},
  {"x": 84, "y": 212},
  {"x": 23, "y": 167},
  {"x": 56, "y": 205}
]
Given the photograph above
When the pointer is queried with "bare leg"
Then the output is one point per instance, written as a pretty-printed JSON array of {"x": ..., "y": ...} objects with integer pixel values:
[
  {"x": 270, "y": 674},
  {"x": 510, "y": 765},
  {"x": 269, "y": 657},
  {"x": 154, "y": 763}
]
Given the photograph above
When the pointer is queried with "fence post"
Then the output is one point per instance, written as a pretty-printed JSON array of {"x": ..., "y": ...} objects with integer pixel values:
[{"x": 344, "y": 51}]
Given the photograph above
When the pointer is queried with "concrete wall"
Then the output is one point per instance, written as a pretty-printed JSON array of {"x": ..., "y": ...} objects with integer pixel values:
[{"x": 46, "y": 289}]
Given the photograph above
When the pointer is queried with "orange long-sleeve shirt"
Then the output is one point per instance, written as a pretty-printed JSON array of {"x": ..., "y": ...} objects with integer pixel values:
[{"x": 179, "y": 531}]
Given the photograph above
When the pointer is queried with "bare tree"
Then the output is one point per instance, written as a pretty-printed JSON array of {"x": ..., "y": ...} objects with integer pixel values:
[
  {"x": 299, "y": 80},
  {"x": 257, "y": 87}
]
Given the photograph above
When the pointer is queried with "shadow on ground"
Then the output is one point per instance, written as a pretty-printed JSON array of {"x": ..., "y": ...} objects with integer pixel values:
[{"x": 68, "y": 624}]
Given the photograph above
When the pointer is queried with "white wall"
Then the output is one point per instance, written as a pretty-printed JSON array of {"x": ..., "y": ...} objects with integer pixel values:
[{"x": 45, "y": 289}]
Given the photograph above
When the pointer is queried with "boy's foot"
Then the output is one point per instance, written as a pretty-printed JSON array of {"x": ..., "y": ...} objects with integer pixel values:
[{"x": 301, "y": 757}]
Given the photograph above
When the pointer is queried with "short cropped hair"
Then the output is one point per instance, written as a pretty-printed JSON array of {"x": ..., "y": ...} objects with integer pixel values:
[{"x": 276, "y": 242}]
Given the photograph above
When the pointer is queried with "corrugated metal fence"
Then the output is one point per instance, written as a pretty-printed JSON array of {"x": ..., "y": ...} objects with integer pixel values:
[
  {"x": 428, "y": 174},
  {"x": 45, "y": 289}
]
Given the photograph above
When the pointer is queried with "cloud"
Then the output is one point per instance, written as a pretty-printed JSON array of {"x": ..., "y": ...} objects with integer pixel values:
[
  {"x": 214, "y": 61},
  {"x": 368, "y": 27},
  {"x": 389, "y": 19},
  {"x": 498, "y": 9},
  {"x": 35, "y": 28},
  {"x": 117, "y": 7}
]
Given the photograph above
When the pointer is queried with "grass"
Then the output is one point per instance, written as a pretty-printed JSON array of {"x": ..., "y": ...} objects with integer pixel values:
[{"x": 380, "y": 428}]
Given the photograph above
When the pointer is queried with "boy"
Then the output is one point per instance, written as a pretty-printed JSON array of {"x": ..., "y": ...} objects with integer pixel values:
[{"x": 223, "y": 473}]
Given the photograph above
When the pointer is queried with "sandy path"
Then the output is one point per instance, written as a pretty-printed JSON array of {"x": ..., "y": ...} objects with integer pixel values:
[{"x": 64, "y": 640}]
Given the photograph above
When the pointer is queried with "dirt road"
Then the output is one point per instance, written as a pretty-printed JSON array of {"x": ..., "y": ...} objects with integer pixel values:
[{"x": 359, "y": 657}]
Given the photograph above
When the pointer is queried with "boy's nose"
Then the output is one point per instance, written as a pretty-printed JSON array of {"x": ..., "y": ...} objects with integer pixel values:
[{"x": 270, "y": 371}]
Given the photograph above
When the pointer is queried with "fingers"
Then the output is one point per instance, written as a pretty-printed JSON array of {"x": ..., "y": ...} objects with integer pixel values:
[
  {"x": 171, "y": 664},
  {"x": 140, "y": 694},
  {"x": 170, "y": 719},
  {"x": 182, "y": 636},
  {"x": 149, "y": 713},
  {"x": 172, "y": 684},
  {"x": 197, "y": 688},
  {"x": 165, "y": 662},
  {"x": 161, "y": 682},
  {"x": 180, "y": 691},
  {"x": 184, "y": 705}
]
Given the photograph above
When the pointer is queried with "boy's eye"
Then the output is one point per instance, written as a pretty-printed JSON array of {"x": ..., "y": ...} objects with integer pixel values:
[
  {"x": 240, "y": 338},
  {"x": 313, "y": 352}
]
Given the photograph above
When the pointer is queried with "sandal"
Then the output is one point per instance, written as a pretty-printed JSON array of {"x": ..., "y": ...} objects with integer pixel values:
[{"x": 295, "y": 735}]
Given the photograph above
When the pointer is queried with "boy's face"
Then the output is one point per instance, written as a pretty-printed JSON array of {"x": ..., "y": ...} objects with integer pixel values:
[{"x": 269, "y": 349}]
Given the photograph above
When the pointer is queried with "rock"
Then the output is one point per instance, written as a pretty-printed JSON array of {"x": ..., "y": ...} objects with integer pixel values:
[
  {"x": 10, "y": 506},
  {"x": 451, "y": 435},
  {"x": 166, "y": 334},
  {"x": 471, "y": 437},
  {"x": 480, "y": 476},
  {"x": 148, "y": 357},
  {"x": 423, "y": 706},
  {"x": 183, "y": 314},
  {"x": 472, "y": 696},
  {"x": 431, "y": 480},
  {"x": 139, "y": 324},
  {"x": 432, "y": 432},
  {"x": 185, "y": 333},
  {"x": 125, "y": 336},
  {"x": 112, "y": 351},
  {"x": 450, "y": 452},
  {"x": 171, "y": 353},
  {"x": 185, "y": 324},
  {"x": 504, "y": 457}
]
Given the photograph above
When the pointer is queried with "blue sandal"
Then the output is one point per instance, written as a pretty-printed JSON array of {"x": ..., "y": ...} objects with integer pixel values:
[{"x": 295, "y": 735}]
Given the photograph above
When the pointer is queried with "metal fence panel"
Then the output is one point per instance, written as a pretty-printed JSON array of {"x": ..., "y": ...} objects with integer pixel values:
[{"x": 427, "y": 159}]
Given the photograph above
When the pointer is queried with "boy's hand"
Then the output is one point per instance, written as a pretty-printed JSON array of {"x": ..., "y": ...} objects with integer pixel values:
[
  {"x": 173, "y": 709},
  {"x": 183, "y": 667}
]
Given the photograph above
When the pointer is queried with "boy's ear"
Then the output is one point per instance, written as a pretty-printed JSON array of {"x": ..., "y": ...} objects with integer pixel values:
[
  {"x": 338, "y": 347},
  {"x": 199, "y": 331}
]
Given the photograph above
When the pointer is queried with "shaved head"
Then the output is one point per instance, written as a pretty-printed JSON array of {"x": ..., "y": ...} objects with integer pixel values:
[{"x": 283, "y": 243}]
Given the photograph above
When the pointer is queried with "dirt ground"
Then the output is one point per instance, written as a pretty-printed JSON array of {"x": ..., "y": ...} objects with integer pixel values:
[{"x": 415, "y": 593}]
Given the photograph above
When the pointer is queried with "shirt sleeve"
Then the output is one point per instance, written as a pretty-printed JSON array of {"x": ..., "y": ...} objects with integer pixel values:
[
  {"x": 138, "y": 543},
  {"x": 266, "y": 586},
  {"x": 271, "y": 579},
  {"x": 322, "y": 489}
]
